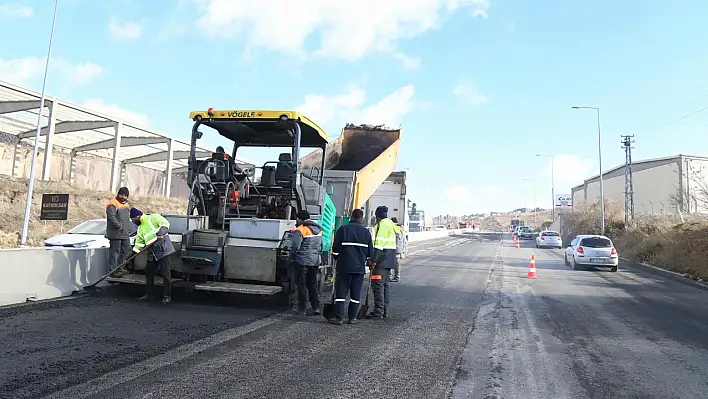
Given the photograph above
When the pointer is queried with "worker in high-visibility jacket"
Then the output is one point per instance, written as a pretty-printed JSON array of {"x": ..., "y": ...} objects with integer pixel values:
[
  {"x": 152, "y": 229},
  {"x": 383, "y": 261}
]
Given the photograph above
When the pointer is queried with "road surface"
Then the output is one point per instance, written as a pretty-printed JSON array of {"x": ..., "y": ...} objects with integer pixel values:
[{"x": 465, "y": 323}]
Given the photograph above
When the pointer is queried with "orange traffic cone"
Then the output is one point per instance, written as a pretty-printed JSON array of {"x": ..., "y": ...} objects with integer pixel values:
[
  {"x": 532, "y": 268},
  {"x": 517, "y": 244}
]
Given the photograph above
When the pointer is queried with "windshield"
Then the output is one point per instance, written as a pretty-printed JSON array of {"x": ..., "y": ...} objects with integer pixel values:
[
  {"x": 94, "y": 227},
  {"x": 550, "y": 234},
  {"x": 524, "y": 228},
  {"x": 596, "y": 242}
]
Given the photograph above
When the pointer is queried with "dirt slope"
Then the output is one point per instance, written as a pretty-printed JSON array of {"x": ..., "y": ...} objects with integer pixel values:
[{"x": 83, "y": 205}]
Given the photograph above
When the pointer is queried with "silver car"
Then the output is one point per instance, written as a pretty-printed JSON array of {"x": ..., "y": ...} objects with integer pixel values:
[
  {"x": 591, "y": 250},
  {"x": 550, "y": 239}
]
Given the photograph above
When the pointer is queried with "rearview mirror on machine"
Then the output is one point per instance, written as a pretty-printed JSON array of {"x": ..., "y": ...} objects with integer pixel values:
[{"x": 330, "y": 189}]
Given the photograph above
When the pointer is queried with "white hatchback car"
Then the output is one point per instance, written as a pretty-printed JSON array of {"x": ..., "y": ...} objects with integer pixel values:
[
  {"x": 591, "y": 250},
  {"x": 89, "y": 234},
  {"x": 549, "y": 238}
]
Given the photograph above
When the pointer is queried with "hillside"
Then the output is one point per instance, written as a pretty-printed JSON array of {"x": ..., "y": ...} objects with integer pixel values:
[{"x": 84, "y": 205}]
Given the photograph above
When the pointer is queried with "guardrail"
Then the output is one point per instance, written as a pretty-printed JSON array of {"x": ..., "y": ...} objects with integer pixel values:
[{"x": 33, "y": 274}]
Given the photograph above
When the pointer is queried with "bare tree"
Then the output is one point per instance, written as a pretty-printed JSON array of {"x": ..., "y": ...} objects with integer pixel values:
[{"x": 693, "y": 197}]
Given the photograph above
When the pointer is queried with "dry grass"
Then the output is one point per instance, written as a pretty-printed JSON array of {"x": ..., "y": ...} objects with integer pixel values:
[
  {"x": 660, "y": 241},
  {"x": 84, "y": 205}
]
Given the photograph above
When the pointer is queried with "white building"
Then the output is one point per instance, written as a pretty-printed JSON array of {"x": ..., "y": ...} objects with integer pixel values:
[{"x": 661, "y": 186}]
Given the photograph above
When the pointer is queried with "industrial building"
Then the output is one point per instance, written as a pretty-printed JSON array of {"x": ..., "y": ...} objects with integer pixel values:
[{"x": 660, "y": 186}]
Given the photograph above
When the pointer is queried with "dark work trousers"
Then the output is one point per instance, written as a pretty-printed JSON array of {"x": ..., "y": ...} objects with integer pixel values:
[
  {"x": 348, "y": 283},
  {"x": 306, "y": 280},
  {"x": 379, "y": 286},
  {"x": 118, "y": 251},
  {"x": 163, "y": 267}
]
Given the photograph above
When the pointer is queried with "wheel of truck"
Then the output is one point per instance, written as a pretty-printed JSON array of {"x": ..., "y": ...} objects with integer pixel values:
[{"x": 613, "y": 269}]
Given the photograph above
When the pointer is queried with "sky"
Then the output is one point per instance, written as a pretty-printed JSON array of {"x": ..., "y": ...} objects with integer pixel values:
[{"x": 480, "y": 87}]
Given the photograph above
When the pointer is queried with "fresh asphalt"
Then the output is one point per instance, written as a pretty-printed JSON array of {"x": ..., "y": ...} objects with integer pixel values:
[{"x": 466, "y": 322}]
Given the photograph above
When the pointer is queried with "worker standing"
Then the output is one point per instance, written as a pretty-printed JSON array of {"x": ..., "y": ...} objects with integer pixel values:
[
  {"x": 118, "y": 229},
  {"x": 153, "y": 229},
  {"x": 400, "y": 244},
  {"x": 307, "y": 245},
  {"x": 383, "y": 261},
  {"x": 352, "y": 248}
]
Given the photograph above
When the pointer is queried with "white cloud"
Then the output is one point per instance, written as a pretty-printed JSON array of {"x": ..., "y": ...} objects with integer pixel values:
[
  {"x": 351, "y": 107},
  {"x": 569, "y": 171},
  {"x": 15, "y": 11},
  {"x": 469, "y": 94},
  {"x": 23, "y": 70},
  {"x": 457, "y": 194},
  {"x": 346, "y": 29},
  {"x": 126, "y": 31},
  {"x": 492, "y": 190},
  {"x": 99, "y": 105},
  {"x": 407, "y": 61}
]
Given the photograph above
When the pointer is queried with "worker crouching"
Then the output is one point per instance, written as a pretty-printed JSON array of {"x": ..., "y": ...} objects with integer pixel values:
[
  {"x": 307, "y": 246},
  {"x": 152, "y": 236},
  {"x": 383, "y": 261},
  {"x": 352, "y": 249}
]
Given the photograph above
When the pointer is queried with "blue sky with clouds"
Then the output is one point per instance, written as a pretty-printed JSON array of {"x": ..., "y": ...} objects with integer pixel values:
[{"x": 479, "y": 86}]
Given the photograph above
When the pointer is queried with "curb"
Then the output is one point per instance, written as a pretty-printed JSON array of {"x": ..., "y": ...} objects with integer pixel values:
[{"x": 680, "y": 276}]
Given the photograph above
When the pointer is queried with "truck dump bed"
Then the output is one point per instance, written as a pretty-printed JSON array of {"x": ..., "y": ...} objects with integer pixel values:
[{"x": 357, "y": 163}]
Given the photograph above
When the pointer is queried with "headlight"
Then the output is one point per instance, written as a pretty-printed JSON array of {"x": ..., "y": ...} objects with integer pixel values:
[{"x": 82, "y": 244}]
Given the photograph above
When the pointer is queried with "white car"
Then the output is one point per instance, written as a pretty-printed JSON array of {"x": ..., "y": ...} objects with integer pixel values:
[
  {"x": 549, "y": 238},
  {"x": 591, "y": 250},
  {"x": 89, "y": 234}
]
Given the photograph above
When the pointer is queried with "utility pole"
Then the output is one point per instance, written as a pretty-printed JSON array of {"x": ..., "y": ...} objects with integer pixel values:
[
  {"x": 35, "y": 152},
  {"x": 628, "y": 186}
]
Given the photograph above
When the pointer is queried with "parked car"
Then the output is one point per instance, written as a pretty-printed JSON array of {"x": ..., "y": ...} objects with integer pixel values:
[
  {"x": 549, "y": 238},
  {"x": 591, "y": 250},
  {"x": 89, "y": 234}
]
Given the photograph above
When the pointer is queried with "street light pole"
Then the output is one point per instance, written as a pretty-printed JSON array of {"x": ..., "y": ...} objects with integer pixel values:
[
  {"x": 30, "y": 185},
  {"x": 553, "y": 184},
  {"x": 599, "y": 154}
]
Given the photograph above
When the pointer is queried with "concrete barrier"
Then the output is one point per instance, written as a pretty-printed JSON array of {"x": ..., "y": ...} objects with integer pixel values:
[
  {"x": 42, "y": 273},
  {"x": 431, "y": 235}
]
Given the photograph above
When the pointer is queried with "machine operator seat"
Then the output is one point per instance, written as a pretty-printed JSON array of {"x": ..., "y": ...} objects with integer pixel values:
[{"x": 285, "y": 169}]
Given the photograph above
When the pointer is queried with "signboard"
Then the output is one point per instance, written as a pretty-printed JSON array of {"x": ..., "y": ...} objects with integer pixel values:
[
  {"x": 563, "y": 201},
  {"x": 54, "y": 207}
]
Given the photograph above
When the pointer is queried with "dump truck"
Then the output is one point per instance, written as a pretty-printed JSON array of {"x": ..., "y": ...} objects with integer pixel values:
[
  {"x": 356, "y": 164},
  {"x": 237, "y": 235}
]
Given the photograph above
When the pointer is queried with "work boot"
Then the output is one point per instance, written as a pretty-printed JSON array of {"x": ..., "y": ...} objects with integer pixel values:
[
  {"x": 146, "y": 297},
  {"x": 166, "y": 300},
  {"x": 299, "y": 312},
  {"x": 335, "y": 321},
  {"x": 315, "y": 312},
  {"x": 353, "y": 321},
  {"x": 374, "y": 316}
]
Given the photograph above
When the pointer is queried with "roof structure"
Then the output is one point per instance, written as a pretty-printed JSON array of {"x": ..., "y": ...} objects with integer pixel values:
[
  {"x": 82, "y": 130},
  {"x": 636, "y": 164}
]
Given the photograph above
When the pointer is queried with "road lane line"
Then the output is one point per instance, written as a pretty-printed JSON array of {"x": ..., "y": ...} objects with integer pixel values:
[{"x": 136, "y": 370}]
